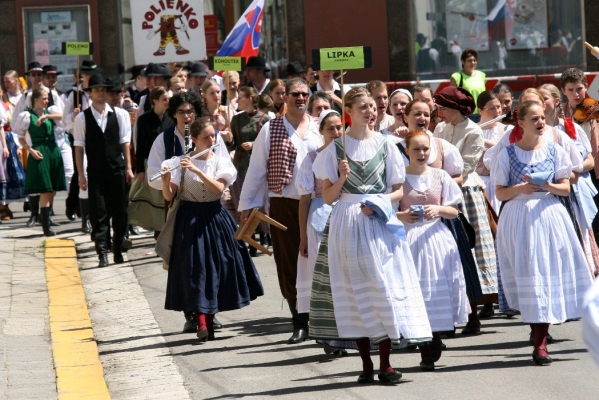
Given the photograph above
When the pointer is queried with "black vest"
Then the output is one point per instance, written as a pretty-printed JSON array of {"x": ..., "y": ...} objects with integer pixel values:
[
  {"x": 172, "y": 146},
  {"x": 50, "y": 99},
  {"x": 337, "y": 93},
  {"x": 103, "y": 150},
  {"x": 147, "y": 104}
]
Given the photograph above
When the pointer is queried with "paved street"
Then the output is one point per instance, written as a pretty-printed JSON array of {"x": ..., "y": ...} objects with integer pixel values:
[{"x": 144, "y": 355}]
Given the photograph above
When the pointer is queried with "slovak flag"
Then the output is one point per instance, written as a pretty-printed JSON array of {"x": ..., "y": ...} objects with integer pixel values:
[{"x": 244, "y": 39}]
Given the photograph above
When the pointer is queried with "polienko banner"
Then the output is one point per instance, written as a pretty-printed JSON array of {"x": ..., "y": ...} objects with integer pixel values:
[
  {"x": 336, "y": 58},
  {"x": 168, "y": 30}
]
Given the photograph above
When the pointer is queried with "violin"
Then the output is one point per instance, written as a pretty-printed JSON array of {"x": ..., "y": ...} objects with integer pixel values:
[{"x": 586, "y": 110}]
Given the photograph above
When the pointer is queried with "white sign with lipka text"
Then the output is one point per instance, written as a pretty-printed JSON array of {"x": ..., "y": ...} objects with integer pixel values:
[{"x": 168, "y": 30}]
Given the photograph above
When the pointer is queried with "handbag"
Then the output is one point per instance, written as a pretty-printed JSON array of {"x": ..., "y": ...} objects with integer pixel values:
[
  {"x": 164, "y": 243},
  {"x": 492, "y": 216}
]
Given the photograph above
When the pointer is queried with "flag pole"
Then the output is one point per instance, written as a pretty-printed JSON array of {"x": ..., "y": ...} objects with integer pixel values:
[
  {"x": 77, "y": 84},
  {"x": 343, "y": 114}
]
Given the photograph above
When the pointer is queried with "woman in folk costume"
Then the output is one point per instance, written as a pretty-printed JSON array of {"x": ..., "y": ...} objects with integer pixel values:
[
  {"x": 397, "y": 105},
  {"x": 364, "y": 266},
  {"x": 209, "y": 271},
  {"x": 455, "y": 104},
  {"x": 543, "y": 267},
  {"x": 45, "y": 170},
  {"x": 489, "y": 108},
  {"x": 583, "y": 190},
  {"x": 430, "y": 194}
]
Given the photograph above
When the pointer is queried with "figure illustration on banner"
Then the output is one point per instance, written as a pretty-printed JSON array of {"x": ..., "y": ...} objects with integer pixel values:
[{"x": 168, "y": 34}]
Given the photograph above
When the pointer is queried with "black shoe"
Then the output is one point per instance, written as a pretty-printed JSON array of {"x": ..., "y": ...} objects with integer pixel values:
[
  {"x": 471, "y": 329},
  {"x": 53, "y": 223},
  {"x": 191, "y": 324},
  {"x": 486, "y": 313},
  {"x": 32, "y": 221},
  {"x": 133, "y": 230},
  {"x": 365, "y": 379},
  {"x": 541, "y": 360},
  {"x": 436, "y": 352},
  {"x": 335, "y": 351},
  {"x": 103, "y": 260},
  {"x": 70, "y": 214},
  {"x": 118, "y": 258},
  {"x": 253, "y": 251},
  {"x": 26, "y": 206},
  {"x": 216, "y": 324},
  {"x": 299, "y": 335},
  {"x": 427, "y": 367},
  {"x": 389, "y": 377}
]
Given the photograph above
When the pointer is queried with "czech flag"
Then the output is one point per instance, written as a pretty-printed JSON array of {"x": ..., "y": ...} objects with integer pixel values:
[{"x": 244, "y": 39}]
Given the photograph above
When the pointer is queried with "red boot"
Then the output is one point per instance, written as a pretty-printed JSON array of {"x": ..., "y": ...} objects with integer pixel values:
[
  {"x": 540, "y": 355},
  {"x": 202, "y": 327}
]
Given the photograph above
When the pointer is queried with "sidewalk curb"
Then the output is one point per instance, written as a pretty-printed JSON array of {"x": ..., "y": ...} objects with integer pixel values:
[{"x": 79, "y": 373}]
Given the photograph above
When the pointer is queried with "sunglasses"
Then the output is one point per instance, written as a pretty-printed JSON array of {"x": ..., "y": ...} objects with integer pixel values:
[{"x": 298, "y": 94}]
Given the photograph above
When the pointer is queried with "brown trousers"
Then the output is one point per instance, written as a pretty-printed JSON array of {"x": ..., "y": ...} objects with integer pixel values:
[{"x": 285, "y": 244}]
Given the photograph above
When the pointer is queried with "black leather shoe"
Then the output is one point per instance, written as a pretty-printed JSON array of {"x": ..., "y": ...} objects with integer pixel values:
[
  {"x": 103, "y": 260},
  {"x": 436, "y": 352},
  {"x": 471, "y": 329},
  {"x": 216, "y": 324},
  {"x": 389, "y": 377},
  {"x": 70, "y": 214},
  {"x": 362, "y": 379},
  {"x": 53, "y": 223},
  {"x": 299, "y": 335},
  {"x": 335, "y": 351},
  {"x": 118, "y": 258},
  {"x": 486, "y": 313},
  {"x": 191, "y": 324},
  {"x": 427, "y": 367},
  {"x": 32, "y": 221},
  {"x": 541, "y": 360}
]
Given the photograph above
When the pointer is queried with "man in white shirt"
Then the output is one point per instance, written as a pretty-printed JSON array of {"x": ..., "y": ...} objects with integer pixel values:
[
  {"x": 327, "y": 83},
  {"x": 256, "y": 70},
  {"x": 103, "y": 133},
  {"x": 277, "y": 155}
]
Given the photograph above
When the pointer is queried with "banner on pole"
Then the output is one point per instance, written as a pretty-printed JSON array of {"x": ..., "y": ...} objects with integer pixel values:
[
  {"x": 335, "y": 58},
  {"x": 217, "y": 63},
  {"x": 168, "y": 30},
  {"x": 77, "y": 48}
]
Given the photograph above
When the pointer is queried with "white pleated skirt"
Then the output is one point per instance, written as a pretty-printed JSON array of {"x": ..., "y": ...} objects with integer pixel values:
[
  {"x": 543, "y": 266},
  {"x": 305, "y": 269},
  {"x": 490, "y": 192},
  {"x": 439, "y": 268},
  {"x": 374, "y": 285}
]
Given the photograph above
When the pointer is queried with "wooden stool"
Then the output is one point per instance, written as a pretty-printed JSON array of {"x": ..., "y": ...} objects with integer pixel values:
[{"x": 245, "y": 231}]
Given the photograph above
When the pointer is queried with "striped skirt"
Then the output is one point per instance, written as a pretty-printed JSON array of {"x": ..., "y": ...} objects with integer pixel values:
[{"x": 475, "y": 210}]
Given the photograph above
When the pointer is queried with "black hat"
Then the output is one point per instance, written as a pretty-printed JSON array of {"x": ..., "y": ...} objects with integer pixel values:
[
  {"x": 198, "y": 69},
  {"x": 294, "y": 68},
  {"x": 148, "y": 69},
  {"x": 34, "y": 67},
  {"x": 89, "y": 67},
  {"x": 136, "y": 70},
  {"x": 257, "y": 62},
  {"x": 114, "y": 84},
  {"x": 160, "y": 70},
  {"x": 51, "y": 70},
  {"x": 97, "y": 80}
]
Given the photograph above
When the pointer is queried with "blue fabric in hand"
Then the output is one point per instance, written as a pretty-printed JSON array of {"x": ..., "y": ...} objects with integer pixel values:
[
  {"x": 420, "y": 210},
  {"x": 384, "y": 212},
  {"x": 541, "y": 178}
]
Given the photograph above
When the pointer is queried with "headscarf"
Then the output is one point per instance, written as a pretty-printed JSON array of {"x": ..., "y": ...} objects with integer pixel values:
[
  {"x": 404, "y": 91},
  {"x": 457, "y": 99}
]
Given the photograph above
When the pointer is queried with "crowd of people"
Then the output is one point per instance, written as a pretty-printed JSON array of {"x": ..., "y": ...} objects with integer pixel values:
[{"x": 405, "y": 211}]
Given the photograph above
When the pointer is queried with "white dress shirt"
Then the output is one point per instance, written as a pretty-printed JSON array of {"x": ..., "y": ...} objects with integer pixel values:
[
  {"x": 122, "y": 117},
  {"x": 157, "y": 155},
  {"x": 255, "y": 186}
]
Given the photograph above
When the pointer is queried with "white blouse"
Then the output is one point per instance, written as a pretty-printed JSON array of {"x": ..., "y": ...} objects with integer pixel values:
[
  {"x": 305, "y": 177},
  {"x": 500, "y": 173},
  {"x": 223, "y": 169},
  {"x": 326, "y": 165},
  {"x": 21, "y": 126},
  {"x": 451, "y": 194}
]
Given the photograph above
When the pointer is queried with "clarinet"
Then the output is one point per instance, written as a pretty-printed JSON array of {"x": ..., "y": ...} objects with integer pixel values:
[{"x": 187, "y": 139}]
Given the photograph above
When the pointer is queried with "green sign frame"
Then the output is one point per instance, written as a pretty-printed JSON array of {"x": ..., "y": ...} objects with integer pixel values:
[
  {"x": 337, "y": 58},
  {"x": 77, "y": 48},
  {"x": 217, "y": 63}
]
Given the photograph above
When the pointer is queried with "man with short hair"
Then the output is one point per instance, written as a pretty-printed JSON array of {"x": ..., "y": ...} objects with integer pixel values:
[
  {"x": 256, "y": 70},
  {"x": 319, "y": 101},
  {"x": 198, "y": 73},
  {"x": 277, "y": 154},
  {"x": 103, "y": 134},
  {"x": 380, "y": 95}
]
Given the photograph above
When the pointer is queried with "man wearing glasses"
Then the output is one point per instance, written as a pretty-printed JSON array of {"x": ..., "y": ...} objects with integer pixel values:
[{"x": 277, "y": 155}]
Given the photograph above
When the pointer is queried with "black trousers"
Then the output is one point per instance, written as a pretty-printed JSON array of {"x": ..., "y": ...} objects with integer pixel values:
[
  {"x": 72, "y": 201},
  {"x": 107, "y": 200}
]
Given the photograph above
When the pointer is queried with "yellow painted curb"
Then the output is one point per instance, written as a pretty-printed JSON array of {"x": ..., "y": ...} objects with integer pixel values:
[{"x": 79, "y": 373}]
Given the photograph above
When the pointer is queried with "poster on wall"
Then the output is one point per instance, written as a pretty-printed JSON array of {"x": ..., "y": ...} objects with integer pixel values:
[
  {"x": 168, "y": 30},
  {"x": 467, "y": 25},
  {"x": 47, "y": 44},
  {"x": 526, "y": 24}
]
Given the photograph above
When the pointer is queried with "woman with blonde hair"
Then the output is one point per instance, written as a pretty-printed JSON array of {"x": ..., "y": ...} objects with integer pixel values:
[{"x": 231, "y": 82}]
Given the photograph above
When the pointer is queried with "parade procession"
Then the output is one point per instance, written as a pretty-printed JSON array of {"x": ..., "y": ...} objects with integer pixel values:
[{"x": 223, "y": 199}]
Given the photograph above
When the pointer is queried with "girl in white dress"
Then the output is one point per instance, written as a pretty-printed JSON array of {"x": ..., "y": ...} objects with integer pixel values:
[
  {"x": 374, "y": 287},
  {"x": 489, "y": 107},
  {"x": 433, "y": 247},
  {"x": 543, "y": 266}
]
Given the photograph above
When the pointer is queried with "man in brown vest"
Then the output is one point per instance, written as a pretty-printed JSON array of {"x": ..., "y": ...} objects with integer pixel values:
[{"x": 277, "y": 155}]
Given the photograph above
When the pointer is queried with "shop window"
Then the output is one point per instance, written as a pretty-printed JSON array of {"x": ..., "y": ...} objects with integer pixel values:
[{"x": 513, "y": 37}]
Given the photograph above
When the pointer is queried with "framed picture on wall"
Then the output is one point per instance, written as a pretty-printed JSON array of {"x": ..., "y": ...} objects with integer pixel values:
[
  {"x": 526, "y": 24},
  {"x": 467, "y": 25}
]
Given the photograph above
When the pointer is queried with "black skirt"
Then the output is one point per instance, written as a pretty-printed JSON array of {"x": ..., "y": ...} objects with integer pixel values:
[{"x": 209, "y": 271}]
